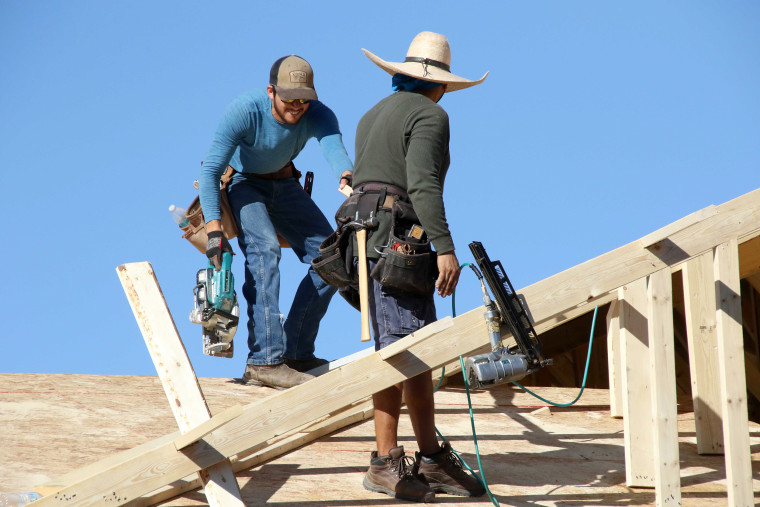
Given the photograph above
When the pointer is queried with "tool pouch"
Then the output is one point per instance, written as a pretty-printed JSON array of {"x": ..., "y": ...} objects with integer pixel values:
[
  {"x": 330, "y": 265},
  {"x": 335, "y": 261},
  {"x": 195, "y": 231},
  {"x": 408, "y": 262}
]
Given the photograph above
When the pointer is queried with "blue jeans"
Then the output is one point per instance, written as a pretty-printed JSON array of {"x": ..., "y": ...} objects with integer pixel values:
[
  {"x": 260, "y": 208},
  {"x": 394, "y": 313}
]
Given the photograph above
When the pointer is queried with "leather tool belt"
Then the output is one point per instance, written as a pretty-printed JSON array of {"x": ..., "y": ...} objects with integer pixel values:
[
  {"x": 288, "y": 171},
  {"x": 407, "y": 262}
]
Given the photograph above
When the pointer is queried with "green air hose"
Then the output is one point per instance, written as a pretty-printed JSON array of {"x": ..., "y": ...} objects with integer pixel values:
[{"x": 481, "y": 478}]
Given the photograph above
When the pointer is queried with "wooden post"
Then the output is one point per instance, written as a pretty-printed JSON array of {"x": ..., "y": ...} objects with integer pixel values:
[
  {"x": 614, "y": 364},
  {"x": 637, "y": 405},
  {"x": 176, "y": 372},
  {"x": 662, "y": 367},
  {"x": 728, "y": 319},
  {"x": 699, "y": 305}
]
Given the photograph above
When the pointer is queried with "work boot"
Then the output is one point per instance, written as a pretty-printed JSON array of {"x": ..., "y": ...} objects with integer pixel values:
[
  {"x": 304, "y": 365},
  {"x": 279, "y": 376},
  {"x": 444, "y": 473},
  {"x": 396, "y": 475}
]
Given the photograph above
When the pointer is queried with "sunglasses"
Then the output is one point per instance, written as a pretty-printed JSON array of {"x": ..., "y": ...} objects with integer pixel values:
[{"x": 302, "y": 101}]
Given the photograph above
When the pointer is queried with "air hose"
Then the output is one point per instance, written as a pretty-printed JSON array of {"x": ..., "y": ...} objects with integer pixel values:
[{"x": 481, "y": 478}]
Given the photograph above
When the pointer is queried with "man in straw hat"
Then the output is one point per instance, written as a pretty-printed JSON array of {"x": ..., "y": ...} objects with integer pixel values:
[
  {"x": 403, "y": 142},
  {"x": 259, "y": 135}
]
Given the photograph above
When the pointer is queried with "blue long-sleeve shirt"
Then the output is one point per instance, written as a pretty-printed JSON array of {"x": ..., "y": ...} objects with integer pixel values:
[{"x": 252, "y": 141}]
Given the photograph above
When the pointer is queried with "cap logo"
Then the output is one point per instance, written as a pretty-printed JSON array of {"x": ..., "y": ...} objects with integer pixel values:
[{"x": 297, "y": 76}]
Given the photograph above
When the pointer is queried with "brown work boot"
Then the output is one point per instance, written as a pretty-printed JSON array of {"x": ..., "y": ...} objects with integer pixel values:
[
  {"x": 304, "y": 365},
  {"x": 396, "y": 475},
  {"x": 443, "y": 471},
  {"x": 279, "y": 376}
]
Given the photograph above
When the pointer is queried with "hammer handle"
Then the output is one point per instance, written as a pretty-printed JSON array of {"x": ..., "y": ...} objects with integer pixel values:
[{"x": 361, "y": 240}]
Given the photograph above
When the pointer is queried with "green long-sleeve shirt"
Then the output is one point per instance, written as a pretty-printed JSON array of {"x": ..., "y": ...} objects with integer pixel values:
[{"x": 404, "y": 141}]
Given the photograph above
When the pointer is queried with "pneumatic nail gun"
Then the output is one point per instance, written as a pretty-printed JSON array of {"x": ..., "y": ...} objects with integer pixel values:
[{"x": 502, "y": 364}]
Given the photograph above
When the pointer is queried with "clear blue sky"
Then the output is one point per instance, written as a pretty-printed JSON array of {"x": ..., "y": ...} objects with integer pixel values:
[{"x": 599, "y": 123}]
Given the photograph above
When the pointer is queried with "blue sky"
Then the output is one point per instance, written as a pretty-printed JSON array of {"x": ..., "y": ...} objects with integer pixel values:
[{"x": 599, "y": 123}]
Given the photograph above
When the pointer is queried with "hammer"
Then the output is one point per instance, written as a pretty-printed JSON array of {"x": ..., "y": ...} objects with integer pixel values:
[{"x": 361, "y": 226}]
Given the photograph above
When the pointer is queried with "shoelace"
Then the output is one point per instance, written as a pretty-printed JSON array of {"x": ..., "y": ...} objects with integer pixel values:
[
  {"x": 405, "y": 465},
  {"x": 454, "y": 460}
]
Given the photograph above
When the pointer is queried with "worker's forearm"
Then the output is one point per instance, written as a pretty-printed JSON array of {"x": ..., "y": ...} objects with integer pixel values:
[{"x": 213, "y": 225}]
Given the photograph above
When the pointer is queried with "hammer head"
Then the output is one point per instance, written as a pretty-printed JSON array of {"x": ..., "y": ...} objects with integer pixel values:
[{"x": 358, "y": 223}]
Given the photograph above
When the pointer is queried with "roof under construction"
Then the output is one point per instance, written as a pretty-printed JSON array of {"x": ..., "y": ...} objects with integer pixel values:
[{"x": 669, "y": 415}]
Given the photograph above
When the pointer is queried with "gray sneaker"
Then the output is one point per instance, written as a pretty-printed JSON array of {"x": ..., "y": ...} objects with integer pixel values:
[
  {"x": 279, "y": 376},
  {"x": 396, "y": 475}
]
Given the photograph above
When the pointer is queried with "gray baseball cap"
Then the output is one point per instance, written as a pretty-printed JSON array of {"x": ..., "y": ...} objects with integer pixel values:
[{"x": 293, "y": 78}]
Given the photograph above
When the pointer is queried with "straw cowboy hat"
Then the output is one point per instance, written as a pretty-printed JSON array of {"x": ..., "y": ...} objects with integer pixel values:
[{"x": 429, "y": 59}]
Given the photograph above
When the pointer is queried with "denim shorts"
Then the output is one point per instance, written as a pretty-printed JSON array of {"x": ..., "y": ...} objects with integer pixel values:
[{"x": 395, "y": 314}]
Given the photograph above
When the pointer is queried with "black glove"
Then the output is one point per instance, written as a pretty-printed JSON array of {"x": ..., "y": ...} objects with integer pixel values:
[{"x": 216, "y": 246}]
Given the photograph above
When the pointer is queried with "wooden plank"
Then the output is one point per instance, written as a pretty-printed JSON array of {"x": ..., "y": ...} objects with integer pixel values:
[
  {"x": 677, "y": 226},
  {"x": 594, "y": 278},
  {"x": 207, "y": 427},
  {"x": 278, "y": 446},
  {"x": 399, "y": 347},
  {"x": 749, "y": 257},
  {"x": 662, "y": 369},
  {"x": 636, "y": 389},
  {"x": 699, "y": 305},
  {"x": 276, "y": 415},
  {"x": 614, "y": 364},
  {"x": 176, "y": 373},
  {"x": 733, "y": 386}
]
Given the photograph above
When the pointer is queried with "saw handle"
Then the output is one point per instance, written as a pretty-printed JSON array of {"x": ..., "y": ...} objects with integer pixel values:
[{"x": 361, "y": 240}]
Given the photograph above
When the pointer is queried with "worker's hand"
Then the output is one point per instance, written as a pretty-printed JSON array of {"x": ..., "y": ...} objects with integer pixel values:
[
  {"x": 448, "y": 274},
  {"x": 216, "y": 246},
  {"x": 347, "y": 178}
]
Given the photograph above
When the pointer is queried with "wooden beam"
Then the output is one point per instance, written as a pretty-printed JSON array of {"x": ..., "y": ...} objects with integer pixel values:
[
  {"x": 277, "y": 414},
  {"x": 614, "y": 363},
  {"x": 594, "y": 278},
  {"x": 636, "y": 389},
  {"x": 733, "y": 386},
  {"x": 677, "y": 226},
  {"x": 749, "y": 258},
  {"x": 176, "y": 373},
  {"x": 699, "y": 305},
  {"x": 662, "y": 370}
]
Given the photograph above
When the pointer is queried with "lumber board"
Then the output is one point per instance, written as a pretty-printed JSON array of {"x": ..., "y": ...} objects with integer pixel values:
[
  {"x": 636, "y": 388},
  {"x": 593, "y": 278},
  {"x": 275, "y": 415},
  {"x": 699, "y": 305},
  {"x": 749, "y": 257},
  {"x": 677, "y": 226},
  {"x": 614, "y": 363},
  {"x": 278, "y": 446},
  {"x": 662, "y": 369},
  {"x": 728, "y": 319},
  {"x": 207, "y": 427},
  {"x": 399, "y": 347},
  {"x": 176, "y": 373}
]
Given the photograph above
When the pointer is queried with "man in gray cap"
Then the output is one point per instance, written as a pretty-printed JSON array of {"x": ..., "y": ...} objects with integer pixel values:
[
  {"x": 260, "y": 134},
  {"x": 402, "y": 151}
]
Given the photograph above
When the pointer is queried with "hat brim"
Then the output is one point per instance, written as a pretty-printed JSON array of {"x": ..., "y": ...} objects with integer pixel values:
[
  {"x": 426, "y": 73},
  {"x": 298, "y": 92}
]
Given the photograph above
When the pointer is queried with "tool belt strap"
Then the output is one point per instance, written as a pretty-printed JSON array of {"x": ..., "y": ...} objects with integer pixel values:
[
  {"x": 392, "y": 193},
  {"x": 288, "y": 171}
]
